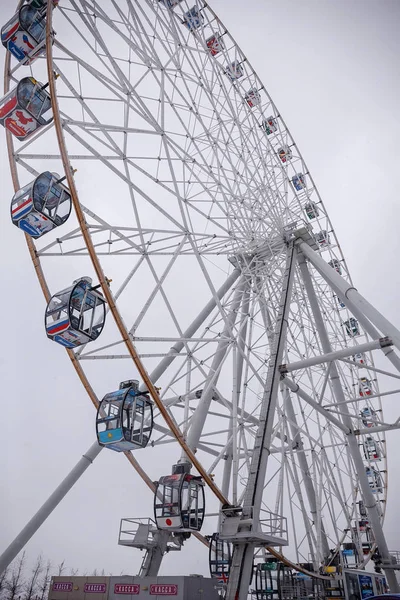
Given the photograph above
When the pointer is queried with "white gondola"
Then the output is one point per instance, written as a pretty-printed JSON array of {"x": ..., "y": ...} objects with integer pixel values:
[
  {"x": 360, "y": 358},
  {"x": 299, "y": 181},
  {"x": 368, "y": 416},
  {"x": 26, "y": 108},
  {"x": 372, "y": 450},
  {"x": 125, "y": 418},
  {"x": 234, "y": 70},
  {"x": 352, "y": 327},
  {"x": 253, "y": 98},
  {"x": 374, "y": 479},
  {"x": 76, "y": 315},
  {"x": 323, "y": 238},
  {"x": 335, "y": 264},
  {"x": 170, "y": 3},
  {"x": 350, "y": 555},
  {"x": 311, "y": 210},
  {"x": 215, "y": 44},
  {"x": 23, "y": 35},
  {"x": 285, "y": 153},
  {"x": 179, "y": 503},
  {"x": 193, "y": 18},
  {"x": 41, "y": 205},
  {"x": 269, "y": 125},
  {"x": 364, "y": 387}
]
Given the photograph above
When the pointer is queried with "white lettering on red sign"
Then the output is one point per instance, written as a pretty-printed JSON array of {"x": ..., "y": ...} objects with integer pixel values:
[
  {"x": 95, "y": 588},
  {"x": 62, "y": 586},
  {"x": 162, "y": 589},
  {"x": 127, "y": 588}
]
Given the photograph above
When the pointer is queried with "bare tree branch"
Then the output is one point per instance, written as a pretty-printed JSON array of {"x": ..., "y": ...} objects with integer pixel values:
[
  {"x": 15, "y": 582},
  {"x": 31, "y": 585},
  {"x": 43, "y": 586},
  {"x": 4, "y": 583}
]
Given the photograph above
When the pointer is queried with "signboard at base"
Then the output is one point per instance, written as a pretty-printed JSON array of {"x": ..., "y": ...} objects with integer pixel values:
[
  {"x": 163, "y": 589},
  {"x": 62, "y": 586},
  {"x": 132, "y": 589},
  {"x": 95, "y": 588}
]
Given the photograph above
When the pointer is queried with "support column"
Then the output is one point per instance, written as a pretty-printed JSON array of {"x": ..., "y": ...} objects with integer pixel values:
[
  {"x": 152, "y": 561},
  {"x": 45, "y": 511},
  {"x": 303, "y": 463},
  {"x": 231, "y": 460},
  {"x": 368, "y": 496},
  {"x": 242, "y": 560},
  {"x": 200, "y": 414}
]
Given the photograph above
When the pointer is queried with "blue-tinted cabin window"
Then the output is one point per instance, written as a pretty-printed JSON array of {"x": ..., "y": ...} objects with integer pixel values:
[
  {"x": 36, "y": 101},
  {"x": 33, "y": 22}
]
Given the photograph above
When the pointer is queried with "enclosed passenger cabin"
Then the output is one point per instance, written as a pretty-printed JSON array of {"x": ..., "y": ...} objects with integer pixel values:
[
  {"x": 266, "y": 580},
  {"x": 253, "y": 98},
  {"x": 193, "y": 18},
  {"x": 76, "y": 315},
  {"x": 269, "y": 125},
  {"x": 234, "y": 70},
  {"x": 41, "y": 205},
  {"x": 374, "y": 479},
  {"x": 215, "y": 44},
  {"x": 367, "y": 540},
  {"x": 360, "y": 358},
  {"x": 286, "y": 583},
  {"x": 179, "y": 503},
  {"x": 364, "y": 387},
  {"x": 335, "y": 264},
  {"x": 323, "y": 238},
  {"x": 26, "y": 108},
  {"x": 362, "y": 511},
  {"x": 341, "y": 304},
  {"x": 352, "y": 327},
  {"x": 312, "y": 210},
  {"x": 125, "y": 418},
  {"x": 368, "y": 416},
  {"x": 299, "y": 181},
  {"x": 285, "y": 153},
  {"x": 372, "y": 450},
  {"x": 23, "y": 35},
  {"x": 170, "y": 3},
  {"x": 349, "y": 555},
  {"x": 219, "y": 558}
]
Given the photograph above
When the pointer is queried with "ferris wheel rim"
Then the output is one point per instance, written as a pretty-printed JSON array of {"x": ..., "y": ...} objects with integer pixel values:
[{"x": 104, "y": 283}]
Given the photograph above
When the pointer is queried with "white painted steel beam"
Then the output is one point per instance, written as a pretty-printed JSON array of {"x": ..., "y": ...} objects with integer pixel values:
[
  {"x": 315, "y": 405},
  {"x": 200, "y": 415},
  {"x": 347, "y": 291},
  {"x": 325, "y": 358}
]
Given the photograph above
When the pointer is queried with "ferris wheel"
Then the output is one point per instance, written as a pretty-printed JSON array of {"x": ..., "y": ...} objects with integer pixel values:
[{"x": 180, "y": 242}]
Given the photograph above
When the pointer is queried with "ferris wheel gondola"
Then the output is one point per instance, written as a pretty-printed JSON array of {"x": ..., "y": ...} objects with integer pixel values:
[{"x": 125, "y": 418}]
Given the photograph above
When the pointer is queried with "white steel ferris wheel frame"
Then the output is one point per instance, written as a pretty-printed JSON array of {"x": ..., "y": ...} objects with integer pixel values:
[{"x": 268, "y": 258}]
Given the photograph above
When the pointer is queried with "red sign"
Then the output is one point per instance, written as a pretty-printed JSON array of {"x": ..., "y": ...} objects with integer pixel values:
[
  {"x": 95, "y": 588},
  {"x": 62, "y": 586},
  {"x": 127, "y": 588},
  {"x": 163, "y": 589}
]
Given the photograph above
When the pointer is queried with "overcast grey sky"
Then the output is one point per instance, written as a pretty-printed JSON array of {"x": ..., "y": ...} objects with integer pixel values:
[{"x": 332, "y": 68}]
